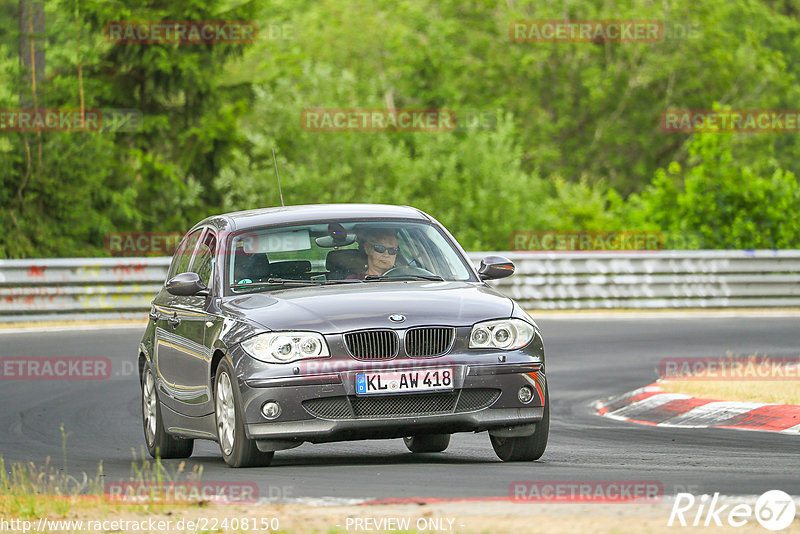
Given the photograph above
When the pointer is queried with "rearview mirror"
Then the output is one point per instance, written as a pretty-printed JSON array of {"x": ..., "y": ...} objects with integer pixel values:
[
  {"x": 187, "y": 285},
  {"x": 494, "y": 267}
]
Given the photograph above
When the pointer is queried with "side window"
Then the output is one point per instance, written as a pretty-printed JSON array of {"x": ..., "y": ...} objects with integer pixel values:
[
  {"x": 204, "y": 261},
  {"x": 180, "y": 263}
]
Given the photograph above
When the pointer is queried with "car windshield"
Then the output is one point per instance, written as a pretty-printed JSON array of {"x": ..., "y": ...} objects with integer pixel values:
[{"x": 342, "y": 252}]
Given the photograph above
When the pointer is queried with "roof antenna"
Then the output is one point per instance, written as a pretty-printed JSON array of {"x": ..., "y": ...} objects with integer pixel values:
[{"x": 278, "y": 176}]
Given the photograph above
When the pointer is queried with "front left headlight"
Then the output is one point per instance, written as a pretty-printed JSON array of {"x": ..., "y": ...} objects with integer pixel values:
[
  {"x": 505, "y": 334},
  {"x": 286, "y": 347}
]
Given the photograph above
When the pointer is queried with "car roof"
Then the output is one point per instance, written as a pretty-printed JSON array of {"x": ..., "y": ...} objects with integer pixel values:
[{"x": 241, "y": 220}]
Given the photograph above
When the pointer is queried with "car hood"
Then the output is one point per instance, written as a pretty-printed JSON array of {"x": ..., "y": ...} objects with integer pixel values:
[{"x": 342, "y": 308}]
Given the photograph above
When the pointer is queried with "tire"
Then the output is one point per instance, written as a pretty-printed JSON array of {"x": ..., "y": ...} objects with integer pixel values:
[
  {"x": 427, "y": 442},
  {"x": 237, "y": 449},
  {"x": 525, "y": 448},
  {"x": 159, "y": 443}
]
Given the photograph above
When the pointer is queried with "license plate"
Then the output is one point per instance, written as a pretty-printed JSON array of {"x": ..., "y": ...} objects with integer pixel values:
[{"x": 404, "y": 381}]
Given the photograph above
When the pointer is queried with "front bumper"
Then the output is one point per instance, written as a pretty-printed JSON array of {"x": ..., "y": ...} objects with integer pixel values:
[
  {"x": 321, "y": 431},
  {"x": 324, "y": 407}
]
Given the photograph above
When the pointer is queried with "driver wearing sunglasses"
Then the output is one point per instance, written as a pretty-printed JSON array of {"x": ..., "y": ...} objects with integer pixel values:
[{"x": 381, "y": 248}]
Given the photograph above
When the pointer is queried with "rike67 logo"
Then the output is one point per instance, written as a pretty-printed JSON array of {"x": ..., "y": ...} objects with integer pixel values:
[{"x": 774, "y": 510}]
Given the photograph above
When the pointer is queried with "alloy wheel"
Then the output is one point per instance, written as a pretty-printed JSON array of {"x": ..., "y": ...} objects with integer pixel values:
[
  {"x": 149, "y": 407},
  {"x": 226, "y": 414}
]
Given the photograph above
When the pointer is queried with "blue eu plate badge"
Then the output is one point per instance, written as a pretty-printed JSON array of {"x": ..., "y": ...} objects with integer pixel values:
[{"x": 361, "y": 383}]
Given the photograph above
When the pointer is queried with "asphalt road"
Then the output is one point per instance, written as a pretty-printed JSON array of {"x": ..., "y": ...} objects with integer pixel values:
[{"x": 587, "y": 359}]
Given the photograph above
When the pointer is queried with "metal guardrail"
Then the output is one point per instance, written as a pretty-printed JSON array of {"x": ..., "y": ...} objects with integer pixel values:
[
  {"x": 657, "y": 279},
  {"x": 62, "y": 289},
  {"x": 72, "y": 288}
]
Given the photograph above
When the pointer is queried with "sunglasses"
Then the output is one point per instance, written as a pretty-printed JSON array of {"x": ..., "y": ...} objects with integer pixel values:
[{"x": 380, "y": 249}]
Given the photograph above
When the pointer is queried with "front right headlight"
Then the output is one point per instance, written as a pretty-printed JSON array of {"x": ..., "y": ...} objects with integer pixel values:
[
  {"x": 505, "y": 334},
  {"x": 286, "y": 347}
]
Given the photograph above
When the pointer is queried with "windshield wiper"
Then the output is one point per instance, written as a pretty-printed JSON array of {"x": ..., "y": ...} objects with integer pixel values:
[
  {"x": 292, "y": 281},
  {"x": 402, "y": 277}
]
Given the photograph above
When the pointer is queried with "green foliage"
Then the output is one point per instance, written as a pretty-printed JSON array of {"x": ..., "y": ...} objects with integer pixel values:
[
  {"x": 471, "y": 181},
  {"x": 573, "y": 142},
  {"x": 729, "y": 204},
  {"x": 85, "y": 185}
]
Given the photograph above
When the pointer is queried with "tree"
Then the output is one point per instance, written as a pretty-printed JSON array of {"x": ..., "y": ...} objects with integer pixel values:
[{"x": 731, "y": 205}]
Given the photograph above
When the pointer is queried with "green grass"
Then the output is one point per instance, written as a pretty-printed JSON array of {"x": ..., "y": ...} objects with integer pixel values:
[
  {"x": 29, "y": 491},
  {"x": 772, "y": 392}
]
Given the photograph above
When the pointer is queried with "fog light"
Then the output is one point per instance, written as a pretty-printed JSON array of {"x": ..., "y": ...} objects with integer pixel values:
[
  {"x": 525, "y": 394},
  {"x": 271, "y": 409}
]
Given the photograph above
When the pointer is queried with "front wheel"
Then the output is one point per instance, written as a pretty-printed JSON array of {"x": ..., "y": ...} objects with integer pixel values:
[
  {"x": 237, "y": 449},
  {"x": 525, "y": 448},
  {"x": 159, "y": 443},
  {"x": 427, "y": 442}
]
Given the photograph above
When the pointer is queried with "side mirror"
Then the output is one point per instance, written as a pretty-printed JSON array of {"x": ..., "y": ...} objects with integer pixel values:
[
  {"x": 187, "y": 285},
  {"x": 494, "y": 267}
]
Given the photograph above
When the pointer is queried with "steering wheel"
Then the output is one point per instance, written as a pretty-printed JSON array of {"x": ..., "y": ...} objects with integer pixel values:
[{"x": 404, "y": 270}]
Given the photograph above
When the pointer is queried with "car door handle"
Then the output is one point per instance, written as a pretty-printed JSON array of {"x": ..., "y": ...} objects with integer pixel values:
[{"x": 174, "y": 321}]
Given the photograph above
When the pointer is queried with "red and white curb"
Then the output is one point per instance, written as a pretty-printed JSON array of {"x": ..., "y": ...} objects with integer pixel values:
[{"x": 651, "y": 405}]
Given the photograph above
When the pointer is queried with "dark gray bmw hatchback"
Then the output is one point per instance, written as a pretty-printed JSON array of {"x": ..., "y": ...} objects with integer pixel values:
[{"x": 331, "y": 323}]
